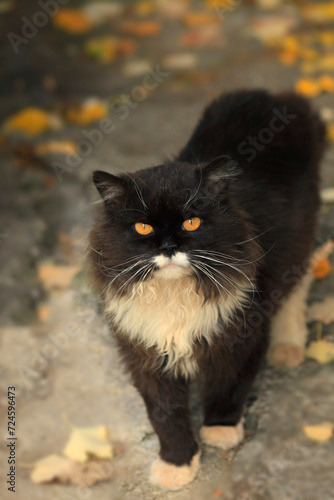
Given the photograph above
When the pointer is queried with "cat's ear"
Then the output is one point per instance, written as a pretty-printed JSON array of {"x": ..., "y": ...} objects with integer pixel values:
[
  {"x": 217, "y": 175},
  {"x": 110, "y": 187}
]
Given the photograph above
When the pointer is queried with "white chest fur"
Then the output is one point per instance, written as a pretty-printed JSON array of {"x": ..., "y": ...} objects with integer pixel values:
[{"x": 170, "y": 315}]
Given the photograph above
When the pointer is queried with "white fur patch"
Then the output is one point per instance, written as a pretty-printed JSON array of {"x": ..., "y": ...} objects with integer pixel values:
[
  {"x": 174, "y": 477},
  {"x": 221, "y": 436},
  {"x": 170, "y": 315}
]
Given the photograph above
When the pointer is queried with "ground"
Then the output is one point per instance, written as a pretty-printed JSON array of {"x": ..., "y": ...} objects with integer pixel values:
[{"x": 56, "y": 347}]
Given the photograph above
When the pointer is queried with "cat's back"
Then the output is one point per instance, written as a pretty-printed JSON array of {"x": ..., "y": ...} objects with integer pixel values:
[{"x": 260, "y": 131}]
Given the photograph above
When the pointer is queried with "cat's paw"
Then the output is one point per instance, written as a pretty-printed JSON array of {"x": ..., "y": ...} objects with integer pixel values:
[
  {"x": 223, "y": 436},
  {"x": 286, "y": 355},
  {"x": 174, "y": 477}
]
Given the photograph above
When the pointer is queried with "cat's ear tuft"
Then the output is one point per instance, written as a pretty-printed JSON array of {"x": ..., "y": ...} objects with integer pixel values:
[
  {"x": 110, "y": 187},
  {"x": 218, "y": 174}
]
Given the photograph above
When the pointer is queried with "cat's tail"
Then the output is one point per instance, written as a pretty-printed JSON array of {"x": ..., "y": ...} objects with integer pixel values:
[{"x": 305, "y": 111}]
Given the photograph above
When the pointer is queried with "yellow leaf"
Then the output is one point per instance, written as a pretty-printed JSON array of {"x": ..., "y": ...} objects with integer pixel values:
[
  {"x": 72, "y": 21},
  {"x": 88, "y": 112},
  {"x": 322, "y": 351},
  {"x": 319, "y": 11},
  {"x": 327, "y": 83},
  {"x": 53, "y": 276},
  {"x": 330, "y": 132},
  {"x": 145, "y": 28},
  {"x": 50, "y": 468},
  {"x": 31, "y": 121},
  {"x": 64, "y": 470},
  {"x": 85, "y": 441},
  {"x": 322, "y": 432},
  {"x": 107, "y": 49},
  {"x": 194, "y": 19},
  {"x": 308, "y": 87},
  {"x": 144, "y": 8},
  {"x": 55, "y": 147},
  {"x": 322, "y": 268},
  {"x": 287, "y": 57}
]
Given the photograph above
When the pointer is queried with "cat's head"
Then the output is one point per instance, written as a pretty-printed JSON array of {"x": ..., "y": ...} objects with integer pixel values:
[{"x": 171, "y": 221}]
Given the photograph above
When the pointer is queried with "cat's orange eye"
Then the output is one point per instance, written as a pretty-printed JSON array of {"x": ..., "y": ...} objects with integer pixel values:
[
  {"x": 192, "y": 224},
  {"x": 143, "y": 228}
]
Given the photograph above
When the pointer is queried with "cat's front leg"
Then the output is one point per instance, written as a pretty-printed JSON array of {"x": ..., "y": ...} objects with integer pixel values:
[{"x": 166, "y": 401}]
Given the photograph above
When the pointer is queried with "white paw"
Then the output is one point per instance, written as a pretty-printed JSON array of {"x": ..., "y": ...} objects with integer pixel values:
[
  {"x": 223, "y": 436},
  {"x": 174, "y": 477},
  {"x": 286, "y": 355}
]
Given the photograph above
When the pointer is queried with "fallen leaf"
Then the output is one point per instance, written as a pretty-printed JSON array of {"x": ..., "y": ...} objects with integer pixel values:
[
  {"x": 30, "y": 121},
  {"x": 271, "y": 27},
  {"x": 308, "y": 87},
  {"x": 87, "y": 112},
  {"x": 322, "y": 269},
  {"x": 99, "y": 12},
  {"x": 321, "y": 432},
  {"x": 327, "y": 194},
  {"x": 85, "y": 441},
  {"x": 54, "y": 276},
  {"x": 73, "y": 21},
  {"x": 194, "y": 19},
  {"x": 217, "y": 493},
  {"x": 173, "y": 8},
  {"x": 107, "y": 49},
  {"x": 57, "y": 468},
  {"x": 136, "y": 68},
  {"x": 321, "y": 351},
  {"x": 184, "y": 60},
  {"x": 145, "y": 28},
  {"x": 43, "y": 312},
  {"x": 144, "y": 8},
  {"x": 323, "y": 11},
  {"x": 327, "y": 83},
  {"x": 287, "y": 57},
  {"x": 50, "y": 468},
  {"x": 322, "y": 252},
  {"x": 55, "y": 147},
  {"x": 330, "y": 132}
]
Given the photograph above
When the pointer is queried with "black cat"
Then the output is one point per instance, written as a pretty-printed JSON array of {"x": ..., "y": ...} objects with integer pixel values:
[{"x": 197, "y": 258}]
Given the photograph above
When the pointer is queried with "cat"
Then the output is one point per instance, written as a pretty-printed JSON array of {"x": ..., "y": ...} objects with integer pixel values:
[{"x": 197, "y": 259}]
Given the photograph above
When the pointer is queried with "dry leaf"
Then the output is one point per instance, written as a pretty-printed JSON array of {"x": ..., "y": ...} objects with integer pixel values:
[
  {"x": 217, "y": 493},
  {"x": 322, "y": 252},
  {"x": 53, "y": 276},
  {"x": 327, "y": 194},
  {"x": 322, "y": 269},
  {"x": 73, "y": 21},
  {"x": 308, "y": 87},
  {"x": 322, "y": 432},
  {"x": 194, "y": 19},
  {"x": 144, "y": 8},
  {"x": 327, "y": 83},
  {"x": 287, "y": 57},
  {"x": 107, "y": 49},
  {"x": 321, "y": 351},
  {"x": 99, "y": 12},
  {"x": 55, "y": 467},
  {"x": 43, "y": 312},
  {"x": 146, "y": 28},
  {"x": 55, "y": 147},
  {"x": 50, "y": 468},
  {"x": 88, "y": 112},
  {"x": 85, "y": 441},
  {"x": 323, "y": 11},
  {"x": 330, "y": 132},
  {"x": 271, "y": 27},
  {"x": 31, "y": 121},
  {"x": 183, "y": 60}
]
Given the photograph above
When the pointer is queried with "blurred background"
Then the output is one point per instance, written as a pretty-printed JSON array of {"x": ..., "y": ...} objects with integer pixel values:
[{"x": 119, "y": 85}]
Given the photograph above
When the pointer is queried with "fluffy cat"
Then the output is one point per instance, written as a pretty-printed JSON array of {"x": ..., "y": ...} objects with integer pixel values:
[{"x": 196, "y": 259}]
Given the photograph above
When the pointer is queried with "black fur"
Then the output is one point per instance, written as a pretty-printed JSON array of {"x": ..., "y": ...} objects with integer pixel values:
[{"x": 250, "y": 172}]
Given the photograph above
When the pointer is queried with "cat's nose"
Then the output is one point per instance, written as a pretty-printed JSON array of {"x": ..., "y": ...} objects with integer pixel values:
[{"x": 167, "y": 247}]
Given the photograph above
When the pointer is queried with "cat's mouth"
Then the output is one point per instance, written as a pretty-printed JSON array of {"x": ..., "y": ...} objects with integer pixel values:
[{"x": 172, "y": 267}]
